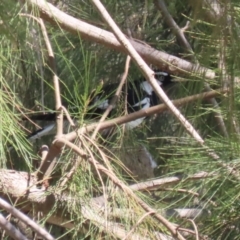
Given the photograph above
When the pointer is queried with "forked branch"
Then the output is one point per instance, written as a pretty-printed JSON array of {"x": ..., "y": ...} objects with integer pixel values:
[{"x": 147, "y": 72}]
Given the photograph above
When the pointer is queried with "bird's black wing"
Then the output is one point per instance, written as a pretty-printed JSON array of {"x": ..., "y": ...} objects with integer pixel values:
[
  {"x": 138, "y": 97},
  {"x": 41, "y": 117}
]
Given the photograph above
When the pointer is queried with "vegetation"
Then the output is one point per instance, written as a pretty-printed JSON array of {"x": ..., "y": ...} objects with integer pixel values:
[{"x": 92, "y": 183}]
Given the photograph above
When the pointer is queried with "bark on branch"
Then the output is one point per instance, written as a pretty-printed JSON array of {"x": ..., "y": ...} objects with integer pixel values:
[
  {"x": 20, "y": 187},
  {"x": 160, "y": 59}
]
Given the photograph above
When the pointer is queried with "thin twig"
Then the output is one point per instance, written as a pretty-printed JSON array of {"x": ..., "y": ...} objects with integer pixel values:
[
  {"x": 52, "y": 64},
  {"x": 49, "y": 161},
  {"x": 157, "y": 183},
  {"x": 148, "y": 73},
  {"x": 144, "y": 112},
  {"x": 184, "y": 42},
  {"x": 10, "y": 229},
  {"x": 102, "y": 154},
  {"x": 119, "y": 183},
  {"x": 43, "y": 153},
  {"x": 195, "y": 228},
  {"x": 99, "y": 176},
  {"x": 174, "y": 27},
  {"x": 25, "y": 219},
  {"x": 78, "y": 162},
  {"x": 137, "y": 223},
  {"x": 68, "y": 116},
  {"x": 115, "y": 98},
  {"x": 187, "y": 192},
  {"x": 70, "y": 173},
  {"x": 186, "y": 27}
]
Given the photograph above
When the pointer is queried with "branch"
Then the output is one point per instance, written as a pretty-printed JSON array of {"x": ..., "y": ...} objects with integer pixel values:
[
  {"x": 172, "y": 229},
  {"x": 214, "y": 10},
  {"x": 25, "y": 219},
  {"x": 10, "y": 229},
  {"x": 160, "y": 59},
  {"x": 59, "y": 119},
  {"x": 184, "y": 42},
  {"x": 148, "y": 73},
  {"x": 52, "y": 64},
  {"x": 155, "y": 184},
  {"x": 53, "y": 152},
  {"x": 173, "y": 25},
  {"x": 115, "y": 97},
  {"x": 22, "y": 186},
  {"x": 144, "y": 112}
]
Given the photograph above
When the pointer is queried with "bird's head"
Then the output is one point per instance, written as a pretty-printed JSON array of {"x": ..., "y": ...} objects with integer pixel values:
[{"x": 163, "y": 78}]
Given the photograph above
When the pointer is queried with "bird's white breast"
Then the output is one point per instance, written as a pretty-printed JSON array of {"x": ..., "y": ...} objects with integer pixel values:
[{"x": 146, "y": 87}]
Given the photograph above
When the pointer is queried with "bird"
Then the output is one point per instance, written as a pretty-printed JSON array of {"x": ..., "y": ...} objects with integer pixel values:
[{"x": 140, "y": 95}]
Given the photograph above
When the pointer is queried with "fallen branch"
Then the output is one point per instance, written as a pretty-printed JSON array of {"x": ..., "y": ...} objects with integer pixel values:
[
  {"x": 22, "y": 186},
  {"x": 172, "y": 229},
  {"x": 157, "y": 183}
]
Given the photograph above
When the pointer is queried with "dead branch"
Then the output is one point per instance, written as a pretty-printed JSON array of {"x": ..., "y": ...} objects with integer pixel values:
[
  {"x": 115, "y": 97},
  {"x": 138, "y": 223},
  {"x": 214, "y": 9},
  {"x": 10, "y": 229},
  {"x": 195, "y": 228},
  {"x": 174, "y": 27},
  {"x": 172, "y": 229},
  {"x": 184, "y": 42},
  {"x": 148, "y": 73},
  {"x": 155, "y": 184},
  {"x": 25, "y": 219},
  {"x": 47, "y": 161},
  {"x": 22, "y": 186},
  {"x": 52, "y": 64},
  {"x": 143, "y": 113},
  {"x": 58, "y": 103},
  {"x": 160, "y": 59}
]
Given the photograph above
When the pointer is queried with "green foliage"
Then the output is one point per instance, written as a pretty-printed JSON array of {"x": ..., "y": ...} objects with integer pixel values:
[{"x": 26, "y": 87}]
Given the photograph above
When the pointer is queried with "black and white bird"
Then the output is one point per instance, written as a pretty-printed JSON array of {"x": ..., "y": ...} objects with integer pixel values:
[{"x": 140, "y": 95}]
